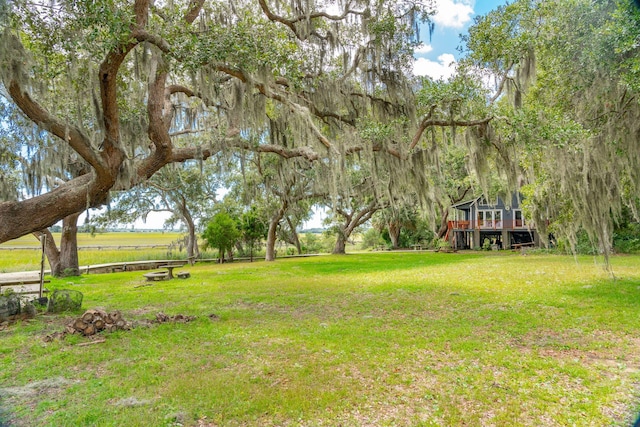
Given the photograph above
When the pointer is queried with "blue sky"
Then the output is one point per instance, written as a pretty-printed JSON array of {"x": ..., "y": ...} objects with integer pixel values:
[{"x": 453, "y": 17}]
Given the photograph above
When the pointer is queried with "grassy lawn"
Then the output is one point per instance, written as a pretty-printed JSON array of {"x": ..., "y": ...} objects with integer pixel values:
[{"x": 397, "y": 339}]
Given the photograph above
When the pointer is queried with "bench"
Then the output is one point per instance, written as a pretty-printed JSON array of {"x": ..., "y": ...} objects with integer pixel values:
[
  {"x": 24, "y": 286},
  {"x": 522, "y": 246},
  {"x": 157, "y": 276}
]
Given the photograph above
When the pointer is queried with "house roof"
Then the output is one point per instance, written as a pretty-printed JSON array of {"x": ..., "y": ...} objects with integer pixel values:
[{"x": 465, "y": 205}]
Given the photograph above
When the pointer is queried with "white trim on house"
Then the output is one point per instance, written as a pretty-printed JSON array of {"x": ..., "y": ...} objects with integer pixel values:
[
  {"x": 490, "y": 218},
  {"x": 519, "y": 222}
]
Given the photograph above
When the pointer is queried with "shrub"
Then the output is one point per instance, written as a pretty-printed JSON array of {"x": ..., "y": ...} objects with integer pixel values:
[
  {"x": 442, "y": 245},
  {"x": 221, "y": 233},
  {"x": 371, "y": 238},
  {"x": 486, "y": 245},
  {"x": 627, "y": 239}
]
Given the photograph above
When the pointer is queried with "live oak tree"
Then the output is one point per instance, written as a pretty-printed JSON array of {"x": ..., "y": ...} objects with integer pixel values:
[
  {"x": 570, "y": 114},
  {"x": 286, "y": 196},
  {"x": 355, "y": 203},
  {"x": 131, "y": 87}
]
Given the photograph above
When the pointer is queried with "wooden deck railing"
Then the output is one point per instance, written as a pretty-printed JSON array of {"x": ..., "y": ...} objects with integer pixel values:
[{"x": 489, "y": 225}]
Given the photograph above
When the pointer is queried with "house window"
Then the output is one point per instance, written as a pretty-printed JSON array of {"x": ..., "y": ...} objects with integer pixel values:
[
  {"x": 490, "y": 218},
  {"x": 519, "y": 218}
]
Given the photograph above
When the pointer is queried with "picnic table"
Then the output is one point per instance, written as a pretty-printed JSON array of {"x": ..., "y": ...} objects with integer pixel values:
[
  {"x": 417, "y": 247},
  {"x": 170, "y": 266},
  {"x": 167, "y": 274}
]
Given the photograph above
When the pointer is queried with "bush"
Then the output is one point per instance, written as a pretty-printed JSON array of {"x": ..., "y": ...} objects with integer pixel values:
[
  {"x": 627, "y": 240},
  {"x": 311, "y": 243},
  {"x": 486, "y": 245},
  {"x": 65, "y": 300},
  {"x": 442, "y": 245},
  {"x": 371, "y": 238},
  {"x": 221, "y": 233}
]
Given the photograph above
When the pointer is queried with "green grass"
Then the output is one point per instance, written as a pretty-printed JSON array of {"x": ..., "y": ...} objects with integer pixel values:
[
  {"x": 397, "y": 339},
  {"x": 24, "y": 253}
]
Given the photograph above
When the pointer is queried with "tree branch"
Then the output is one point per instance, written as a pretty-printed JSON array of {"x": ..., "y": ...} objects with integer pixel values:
[
  {"x": 73, "y": 136},
  {"x": 287, "y": 153},
  {"x": 306, "y": 17},
  {"x": 194, "y": 10},
  {"x": 144, "y": 36},
  {"x": 108, "y": 73},
  {"x": 503, "y": 81},
  {"x": 428, "y": 122}
]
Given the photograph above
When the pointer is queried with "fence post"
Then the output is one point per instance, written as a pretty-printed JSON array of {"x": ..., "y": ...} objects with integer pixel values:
[{"x": 43, "y": 242}]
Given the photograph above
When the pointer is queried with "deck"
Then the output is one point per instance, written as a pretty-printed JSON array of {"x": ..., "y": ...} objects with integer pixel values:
[{"x": 488, "y": 225}]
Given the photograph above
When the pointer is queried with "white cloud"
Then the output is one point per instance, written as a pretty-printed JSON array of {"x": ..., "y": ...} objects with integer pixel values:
[
  {"x": 423, "y": 49},
  {"x": 443, "y": 69},
  {"x": 453, "y": 13}
]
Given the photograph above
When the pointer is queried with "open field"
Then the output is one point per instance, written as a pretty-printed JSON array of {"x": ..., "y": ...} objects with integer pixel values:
[
  {"x": 23, "y": 254},
  {"x": 397, "y": 339},
  {"x": 105, "y": 239}
]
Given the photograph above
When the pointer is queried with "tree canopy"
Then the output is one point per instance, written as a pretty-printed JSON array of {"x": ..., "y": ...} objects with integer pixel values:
[
  {"x": 546, "y": 100},
  {"x": 128, "y": 87},
  {"x": 569, "y": 129},
  {"x": 221, "y": 233}
]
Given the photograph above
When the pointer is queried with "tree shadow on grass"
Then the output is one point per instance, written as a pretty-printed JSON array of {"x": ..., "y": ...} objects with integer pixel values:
[
  {"x": 623, "y": 293},
  {"x": 372, "y": 263}
]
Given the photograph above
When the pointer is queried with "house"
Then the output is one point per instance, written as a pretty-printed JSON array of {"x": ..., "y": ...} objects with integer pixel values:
[{"x": 475, "y": 221}]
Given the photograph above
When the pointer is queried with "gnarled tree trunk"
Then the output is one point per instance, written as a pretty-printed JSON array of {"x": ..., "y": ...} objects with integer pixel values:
[
  {"x": 340, "y": 246},
  {"x": 63, "y": 261},
  {"x": 444, "y": 224},
  {"x": 353, "y": 220},
  {"x": 271, "y": 233},
  {"x": 192, "y": 239},
  {"x": 69, "y": 246},
  {"x": 294, "y": 236},
  {"x": 394, "y": 234},
  {"x": 271, "y": 240},
  {"x": 51, "y": 251}
]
